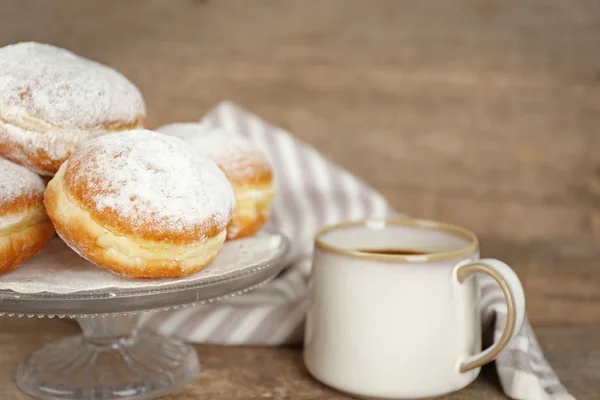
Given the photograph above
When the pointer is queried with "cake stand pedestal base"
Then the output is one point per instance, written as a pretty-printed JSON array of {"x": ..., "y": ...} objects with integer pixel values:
[{"x": 110, "y": 360}]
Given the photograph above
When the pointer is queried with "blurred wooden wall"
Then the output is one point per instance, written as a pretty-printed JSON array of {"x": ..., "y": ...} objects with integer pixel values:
[{"x": 477, "y": 112}]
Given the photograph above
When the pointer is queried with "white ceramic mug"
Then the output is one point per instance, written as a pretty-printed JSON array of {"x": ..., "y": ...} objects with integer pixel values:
[{"x": 401, "y": 326}]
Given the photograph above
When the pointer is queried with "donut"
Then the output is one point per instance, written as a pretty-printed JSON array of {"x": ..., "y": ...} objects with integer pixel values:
[
  {"x": 244, "y": 165},
  {"x": 51, "y": 100},
  {"x": 24, "y": 225},
  {"x": 141, "y": 204}
]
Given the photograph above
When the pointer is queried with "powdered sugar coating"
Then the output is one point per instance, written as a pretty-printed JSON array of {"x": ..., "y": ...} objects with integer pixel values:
[
  {"x": 48, "y": 149},
  {"x": 17, "y": 181},
  {"x": 237, "y": 156},
  {"x": 152, "y": 181},
  {"x": 63, "y": 90}
]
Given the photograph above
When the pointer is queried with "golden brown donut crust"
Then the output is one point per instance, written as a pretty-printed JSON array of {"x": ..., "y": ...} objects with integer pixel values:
[
  {"x": 251, "y": 212},
  {"x": 245, "y": 221},
  {"x": 17, "y": 247},
  {"x": 24, "y": 225},
  {"x": 19, "y": 204},
  {"x": 52, "y": 100},
  {"x": 77, "y": 233},
  {"x": 244, "y": 165},
  {"x": 140, "y": 204},
  {"x": 261, "y": 173},
  {"x": 241, "y": 226},
  {"x": 39, "y": 160},
  {"x": 83, "y": 186}
]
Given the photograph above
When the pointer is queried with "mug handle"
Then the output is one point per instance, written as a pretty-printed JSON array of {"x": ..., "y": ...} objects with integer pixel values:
[{"x": 515, "y": 305}]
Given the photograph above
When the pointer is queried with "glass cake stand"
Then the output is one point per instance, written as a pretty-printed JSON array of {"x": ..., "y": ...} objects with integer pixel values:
[{"x": 112, "y": 359}]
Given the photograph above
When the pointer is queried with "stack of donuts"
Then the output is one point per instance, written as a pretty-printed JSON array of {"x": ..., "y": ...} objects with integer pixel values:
[{"x": 76, "y": 160}]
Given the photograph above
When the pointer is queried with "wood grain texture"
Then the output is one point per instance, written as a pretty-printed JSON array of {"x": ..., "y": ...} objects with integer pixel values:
[
  {"x": 490, "y": 107},
  {"x": 475, "y": 112},
  {"x": 278, "y": 373}
]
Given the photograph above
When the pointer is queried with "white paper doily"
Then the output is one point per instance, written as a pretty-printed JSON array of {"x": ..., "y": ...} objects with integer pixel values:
[{"x": 58, "y": 269}]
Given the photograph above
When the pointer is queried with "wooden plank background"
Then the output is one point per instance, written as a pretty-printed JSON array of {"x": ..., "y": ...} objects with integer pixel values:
[
  {"x": 482, "y": 113},
  {"x": 485, "y": 114}
]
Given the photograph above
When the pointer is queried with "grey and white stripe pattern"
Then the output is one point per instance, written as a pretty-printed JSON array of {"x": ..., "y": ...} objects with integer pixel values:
[{"x": 311, "y": 193}]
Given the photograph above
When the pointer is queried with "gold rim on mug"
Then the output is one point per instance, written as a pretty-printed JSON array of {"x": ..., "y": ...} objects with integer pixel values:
[{"x": 410, "y": 222}]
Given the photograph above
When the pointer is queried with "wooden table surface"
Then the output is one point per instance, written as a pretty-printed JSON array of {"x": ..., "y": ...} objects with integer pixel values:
[{"x": 481, "y": 113}]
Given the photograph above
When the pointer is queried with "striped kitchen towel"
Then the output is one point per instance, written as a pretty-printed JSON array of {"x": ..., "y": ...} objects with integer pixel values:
[{"x": 311, "y": 193}]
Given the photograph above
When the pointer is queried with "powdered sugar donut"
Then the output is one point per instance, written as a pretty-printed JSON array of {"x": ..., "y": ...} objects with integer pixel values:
[
  {"x": 24, "y": 226},
  {"x": 51, "y": 100},
  {"x": 244, "y": 165},
  {"x": 141, "y": 204}
]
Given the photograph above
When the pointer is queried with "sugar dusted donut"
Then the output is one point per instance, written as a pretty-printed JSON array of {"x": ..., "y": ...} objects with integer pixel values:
[
  {"x": 24, "y": 226},
  {"x": 51, "y": 100},
  {"x": 244, "y": 165},
  {"x": 141, "y": 204}
]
